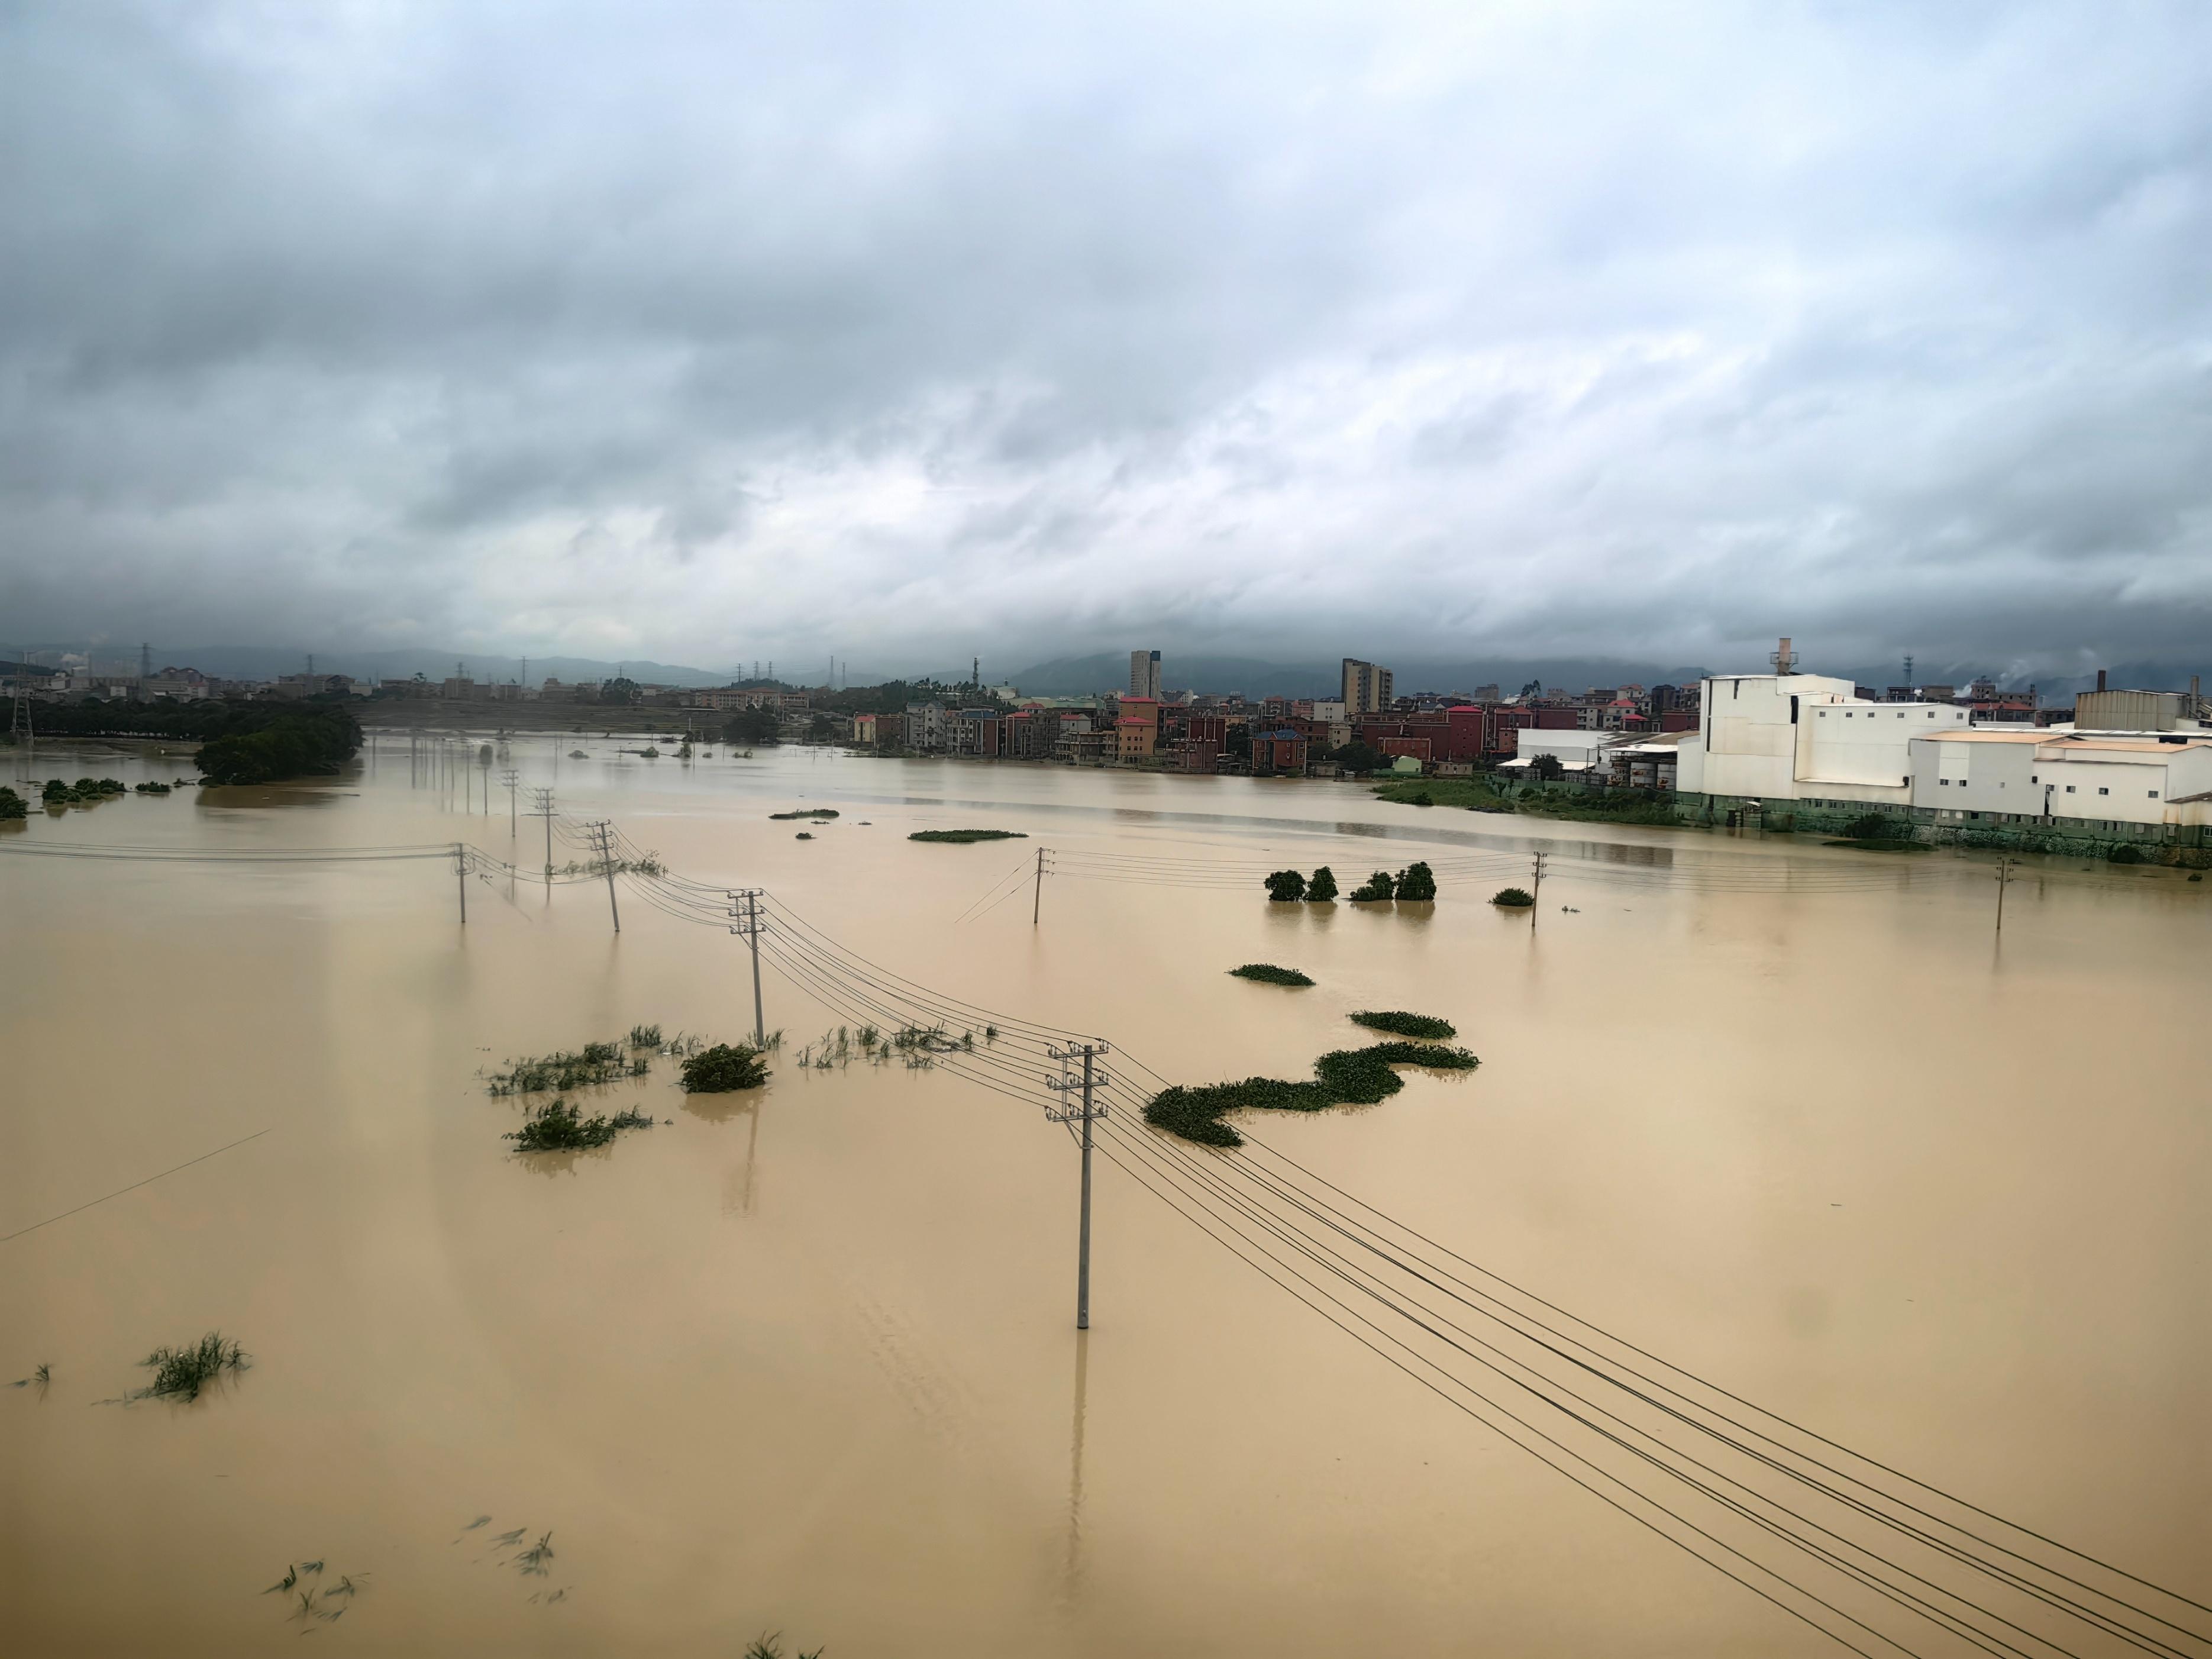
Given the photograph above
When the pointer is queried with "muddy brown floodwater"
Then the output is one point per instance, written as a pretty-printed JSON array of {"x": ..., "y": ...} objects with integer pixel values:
[{"x": 803, "y": 1360}]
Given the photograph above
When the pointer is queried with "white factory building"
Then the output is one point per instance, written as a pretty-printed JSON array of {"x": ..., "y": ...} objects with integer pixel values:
[{"x": 1808, "y": 745}]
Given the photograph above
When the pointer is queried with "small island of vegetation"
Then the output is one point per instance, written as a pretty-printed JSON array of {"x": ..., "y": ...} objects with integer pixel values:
[
  {"x": 1267, "y": 974},
  {"x": 1407, "y": 1025},
  {"x": 1346, "y": 1076},
  {"x": 962, "y": 837},
  {"x": 805, "y": 812},
  {"x": 724, "y": 1067},
  {"x": 557, "y": 1127}
]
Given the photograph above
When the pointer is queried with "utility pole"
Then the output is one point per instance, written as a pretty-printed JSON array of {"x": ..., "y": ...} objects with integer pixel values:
[
  {"x": 1535, "y": 898},
  {"x": 461, "y": 876},
  {"x": 1036, "y": 899},
  {"x": 2004, "y": 880},
  {"x": 748, "y": 922},
  {"x": 510, "y": 777},
  {"x": 543, "y": 809},
  {"x": 603, "y": 838},
  {"x": 1066, "y": 1085}
]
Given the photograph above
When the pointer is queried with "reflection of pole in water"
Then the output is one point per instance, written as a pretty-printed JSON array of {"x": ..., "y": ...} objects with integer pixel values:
[
  {"x": 1072, "y": 1579},
  {"x": 752, "y": 1146}
]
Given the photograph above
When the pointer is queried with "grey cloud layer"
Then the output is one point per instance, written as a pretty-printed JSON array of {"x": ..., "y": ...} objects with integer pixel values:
[{"x": 712, "y": 332}]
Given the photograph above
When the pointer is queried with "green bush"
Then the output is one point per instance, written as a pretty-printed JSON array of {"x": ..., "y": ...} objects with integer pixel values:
[
  {"x": 12, "y": 805},
  {"x": 723, "y": 1067},
  {"x": 1513, "y": 898},
  {"x": 1870, "y": 826},
  {"x": 1268, "y": 974},
  {"x": 1407, "y": 1025},
  {"x": 57, "y": 793},
  {"x": 1378, "y": 886},
  {"x": 1417, "y": 883},
  {"x": 1286, "y": 886},
  {"x": 2124, "y": 853},
  {"x": 1322, "y": 887}
]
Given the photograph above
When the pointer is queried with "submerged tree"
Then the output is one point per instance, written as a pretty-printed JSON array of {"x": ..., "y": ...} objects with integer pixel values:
[
  {"x": 1379, "y": 885},
  {"x": 1417, "y": 883},
  {"x": 1286, "y": 886},
  {"x": 1322, "y": 887}
]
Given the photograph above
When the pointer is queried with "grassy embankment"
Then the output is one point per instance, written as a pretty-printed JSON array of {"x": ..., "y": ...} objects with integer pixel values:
[{"x": 1476, "y": 795}]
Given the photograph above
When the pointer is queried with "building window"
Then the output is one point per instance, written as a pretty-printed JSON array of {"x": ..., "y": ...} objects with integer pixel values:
[
  {"x": 2154, "y": 794},
  {"x": 2069, "y": 789},
  {"x": 2103, "y": 791}
]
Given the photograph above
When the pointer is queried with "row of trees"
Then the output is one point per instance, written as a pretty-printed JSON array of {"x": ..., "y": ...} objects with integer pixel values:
[{"x": 1416, "y": 883}]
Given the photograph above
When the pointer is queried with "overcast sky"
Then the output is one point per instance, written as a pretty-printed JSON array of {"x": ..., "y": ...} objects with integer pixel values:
[{"x": 707, "y": 331}]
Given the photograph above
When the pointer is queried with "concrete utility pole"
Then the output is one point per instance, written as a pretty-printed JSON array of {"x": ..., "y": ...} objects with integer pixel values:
[
  {"x": 603, "y": 838},
  {"x": 511, "y": 778},
  {"x": 1036, "y": 899},
  {"x": 543, "y": 809},
  {"x": 461, "y": 878},
  {"x": 1064, "y": 1084},
  {"x": 2004, "y": 880},
  {"x": 1536, "y": 897},
  {"x": 748, "y": 920}
]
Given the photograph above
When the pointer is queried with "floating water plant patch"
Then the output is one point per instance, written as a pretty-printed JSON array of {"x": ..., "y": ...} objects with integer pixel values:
[
  {"x": 1268, "y": 974},
  {"x": 1346, "y": 1076},
  {"x": 962, "y": 837},
  {"x": 181, "y": 1373},
  {"x": 724, "y": 1067},
  {"x": 557, "y": 1127},
  {"x": 587, "y": 1067},
  {"x": 1405, "y": 1025}
]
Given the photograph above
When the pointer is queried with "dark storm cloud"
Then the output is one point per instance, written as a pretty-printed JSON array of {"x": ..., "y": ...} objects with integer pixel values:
[{"x": 902, "y": 331}]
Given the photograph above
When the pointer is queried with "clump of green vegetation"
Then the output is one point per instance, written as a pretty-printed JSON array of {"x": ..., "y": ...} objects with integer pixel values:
[
  {"x": 2124, "y": 854},
  {"x": 803, "y": 835},
  {"x": 557, "y": 1127},
  {"x": 962, "y": 837},
  {"x": 151, "y": 788},
  {"x": 770, "y": 1646},
  {"x": 578, "y": 754},
  {"x": 723, "y": 1067},
  {"x": 41, "y": 1377},
  {"x": 181, "y": 1373},
  {"x": 1285, "y": 887},
  {"x": 645, "y": 1036},
  {"x": 587, "y": 1067},
  {"x": 1417, "y": 883},
  {"x": 1513, "y": 898},
  {"x": 12, "y": 805},
  {"x": 1267, "y": 974},
  {"x": 806, "y": 812},
  {"x": 1322, "y": 887},
  {"x": 1346, "y": 1076},
  {"x": 1407, "y": 1025},
  {"x": 1379, "y": 886}
]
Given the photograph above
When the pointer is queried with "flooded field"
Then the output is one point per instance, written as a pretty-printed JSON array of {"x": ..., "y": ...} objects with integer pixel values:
[{"x": 803, "y": 1359}]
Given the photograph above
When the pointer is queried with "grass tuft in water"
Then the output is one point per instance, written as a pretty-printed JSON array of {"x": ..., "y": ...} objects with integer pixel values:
[
  {"x": 593, "y": 1064},
  {"x": 770, "y": 1646},
  {"x": 1268, "y": 974},
  {"x": 181, "y": 1373},
  {"x": 559, "y": 1127},
  {"x": 1403, "y": 1024},
  {"x": 645, "y": 1036}
]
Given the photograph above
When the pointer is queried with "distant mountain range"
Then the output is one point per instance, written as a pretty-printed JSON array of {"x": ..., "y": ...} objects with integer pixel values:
[{"x": 254, "y": 663}]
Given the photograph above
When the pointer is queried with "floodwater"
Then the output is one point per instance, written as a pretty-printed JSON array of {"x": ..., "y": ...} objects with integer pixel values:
[{"x": 804, "y": 1360}]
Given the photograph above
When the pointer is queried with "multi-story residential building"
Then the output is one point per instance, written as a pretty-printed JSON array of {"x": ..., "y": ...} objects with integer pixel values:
[
  {"x": 927, "y": 728},
  {"x": 1144, "y": 674},
  {"x": 1366, "y": 687},
  {"x": 1278, "y": 753}
]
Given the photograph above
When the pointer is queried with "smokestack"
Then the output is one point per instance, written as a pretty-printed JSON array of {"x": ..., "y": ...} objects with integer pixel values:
[{"x": 2100, "y": 679}]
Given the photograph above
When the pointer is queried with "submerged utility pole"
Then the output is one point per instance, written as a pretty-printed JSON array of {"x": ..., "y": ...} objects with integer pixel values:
[
  {"x": 748, "y": 920},
  {"x": 511, "y": 778},
  {"x": 603, "y": 838},
  {"x": 1036, "y": 899},
  {"x": 543, "y": 809},
  {"x": 461, "y": 879},
  {"x": 1535, "y": 898},
  {"x": 2004, "y": 880},
  {"x": 1066, "y": 1085}
]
